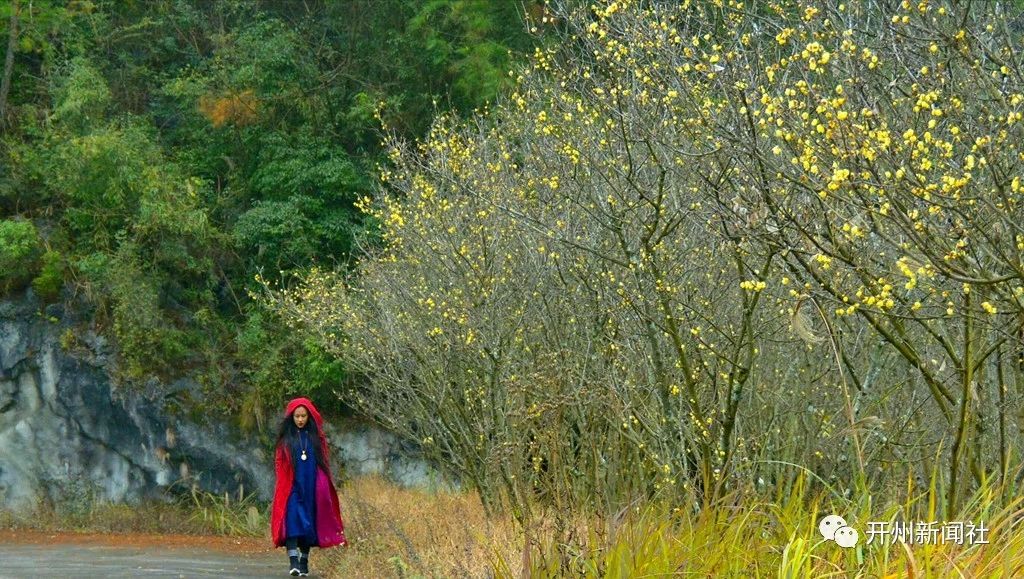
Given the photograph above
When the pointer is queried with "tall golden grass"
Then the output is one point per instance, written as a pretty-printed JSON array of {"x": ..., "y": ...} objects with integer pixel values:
[
  {"x": 747, "y": 536},
  {"x": 397, "y": 532},
  {"x": 410, "y": 533}
]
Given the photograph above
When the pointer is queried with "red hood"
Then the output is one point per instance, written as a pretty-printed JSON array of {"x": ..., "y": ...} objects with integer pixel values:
[{"x": 309, "y": 407}]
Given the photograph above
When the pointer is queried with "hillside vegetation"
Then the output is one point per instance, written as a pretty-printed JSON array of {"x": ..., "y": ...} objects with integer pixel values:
[{"x": 156, "y": 156}]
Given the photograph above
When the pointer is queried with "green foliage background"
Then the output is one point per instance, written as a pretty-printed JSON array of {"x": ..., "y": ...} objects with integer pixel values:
[{"x": 156, "y": 156}]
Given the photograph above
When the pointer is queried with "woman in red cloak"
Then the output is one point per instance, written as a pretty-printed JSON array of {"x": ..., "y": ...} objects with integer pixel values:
[{"x": 305, "y": 512}]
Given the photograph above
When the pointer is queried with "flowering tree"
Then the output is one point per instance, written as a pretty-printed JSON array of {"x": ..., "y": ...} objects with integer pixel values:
[
  {"x": 700, "y": 240},
  {"x": 880, "y": 148}
]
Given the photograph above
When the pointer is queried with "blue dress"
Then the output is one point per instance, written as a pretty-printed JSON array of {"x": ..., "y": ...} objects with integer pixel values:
[{"x": 300, "y": 515}]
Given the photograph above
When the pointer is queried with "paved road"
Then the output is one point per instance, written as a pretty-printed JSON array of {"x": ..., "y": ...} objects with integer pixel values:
[{"x": 90, "y": 561}]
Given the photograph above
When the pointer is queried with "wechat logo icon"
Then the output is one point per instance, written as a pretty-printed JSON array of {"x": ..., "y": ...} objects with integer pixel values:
[{"x": 834, "y": 528}]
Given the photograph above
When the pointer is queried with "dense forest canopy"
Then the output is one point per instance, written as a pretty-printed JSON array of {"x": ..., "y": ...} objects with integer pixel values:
[{"x": 157, "y": 155}]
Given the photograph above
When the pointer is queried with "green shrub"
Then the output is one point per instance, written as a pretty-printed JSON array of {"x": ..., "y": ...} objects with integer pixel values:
[
  {"x": 19, "y": 252},
  {"x": 149, "y": 340},
  {"x": 277, "y": 362},
  {"x": 82, "y": 94},
  {"x": 51, "y": 276}
]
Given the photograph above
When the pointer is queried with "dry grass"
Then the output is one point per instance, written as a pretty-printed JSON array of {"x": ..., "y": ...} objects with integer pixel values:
[
  {"x": 149, "y": 518},
  {"x": 397, "y": 532},
  {"x": 193, "y": 513}
]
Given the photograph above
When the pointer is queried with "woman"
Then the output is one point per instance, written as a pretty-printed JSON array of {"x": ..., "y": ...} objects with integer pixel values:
[{"x": 305, "y": 512}]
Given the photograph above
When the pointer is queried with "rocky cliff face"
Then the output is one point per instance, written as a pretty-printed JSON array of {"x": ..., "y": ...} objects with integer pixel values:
[{"x": 67, "y": 431}]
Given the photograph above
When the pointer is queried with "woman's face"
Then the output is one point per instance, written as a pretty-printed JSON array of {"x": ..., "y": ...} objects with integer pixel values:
[{"x": 300, "y": 416}]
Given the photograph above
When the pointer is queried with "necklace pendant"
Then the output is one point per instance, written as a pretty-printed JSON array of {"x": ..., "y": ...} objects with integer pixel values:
[{"x": 303, "y": 455}]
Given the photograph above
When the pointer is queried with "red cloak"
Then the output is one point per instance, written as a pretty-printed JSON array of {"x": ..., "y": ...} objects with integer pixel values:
[{"x": 329, "y": 527}]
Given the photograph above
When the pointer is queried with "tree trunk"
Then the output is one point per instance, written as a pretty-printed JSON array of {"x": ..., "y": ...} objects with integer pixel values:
[{"x": 5, "y": 85}]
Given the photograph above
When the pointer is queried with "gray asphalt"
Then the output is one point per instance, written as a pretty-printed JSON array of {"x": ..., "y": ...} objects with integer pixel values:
[{"x": 74, "y": 561}]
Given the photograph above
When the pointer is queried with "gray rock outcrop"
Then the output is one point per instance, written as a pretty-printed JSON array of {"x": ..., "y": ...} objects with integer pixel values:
[{"x": 67, "y": 430}]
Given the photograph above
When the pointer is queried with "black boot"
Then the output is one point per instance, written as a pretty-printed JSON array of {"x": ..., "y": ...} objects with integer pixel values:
[
  {"x": 293, "y": 566},
  {"x": 303, "y": 564}
]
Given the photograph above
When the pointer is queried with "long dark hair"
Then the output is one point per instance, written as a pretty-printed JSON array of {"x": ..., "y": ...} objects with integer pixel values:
[{"x": 288, "y": 435}]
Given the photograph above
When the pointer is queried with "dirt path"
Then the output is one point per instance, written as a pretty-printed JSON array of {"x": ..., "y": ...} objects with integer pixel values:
[{"x": 70, "y": 555}]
